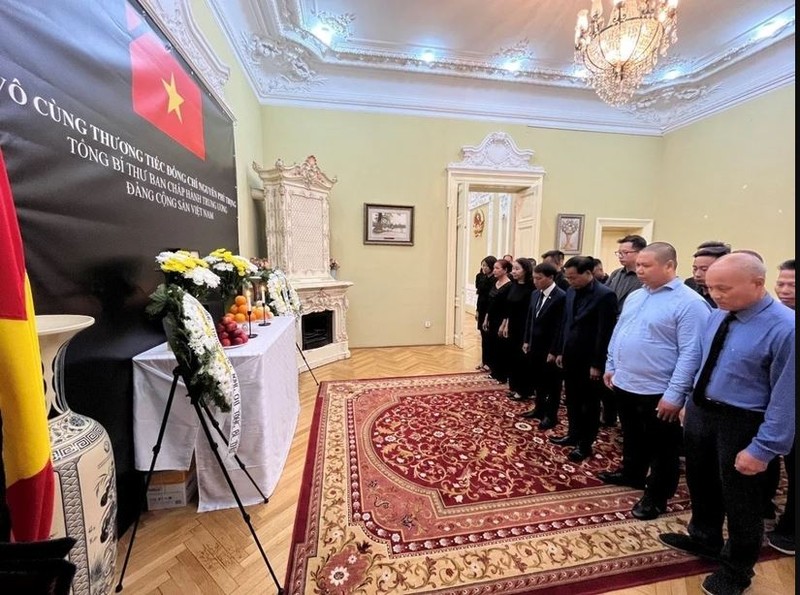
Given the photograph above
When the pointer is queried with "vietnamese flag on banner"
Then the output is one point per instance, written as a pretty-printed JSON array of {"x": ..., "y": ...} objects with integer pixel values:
[
  {"x": 26, "y": 435},
  {"x": 164, "y": 95}
]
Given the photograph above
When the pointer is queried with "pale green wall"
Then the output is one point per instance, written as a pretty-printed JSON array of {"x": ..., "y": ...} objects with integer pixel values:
[
  {"x": 731, "y": 177},
  {"x": 736, "y": 167},
  {"x": 402, "y": 160},
  {"x": 247, "y": 128}
]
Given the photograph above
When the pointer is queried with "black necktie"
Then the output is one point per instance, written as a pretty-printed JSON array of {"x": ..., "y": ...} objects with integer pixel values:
[
  {"x": 699, "y": 393},
  {"x": 539, "y": 304}
]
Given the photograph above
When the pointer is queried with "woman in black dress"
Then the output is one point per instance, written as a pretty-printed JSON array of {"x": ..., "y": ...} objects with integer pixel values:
[
  {"x": 483, "y": 285},
  {"x": 519, "y": 296},
  {"x": 496, "y": 356}
]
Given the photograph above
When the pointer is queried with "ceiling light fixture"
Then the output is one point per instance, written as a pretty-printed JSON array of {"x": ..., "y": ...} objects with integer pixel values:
[
  {"x": 427, "y": 56},
  {"x": 324, "y": 33},
  {"x": 619, "y": 53}
]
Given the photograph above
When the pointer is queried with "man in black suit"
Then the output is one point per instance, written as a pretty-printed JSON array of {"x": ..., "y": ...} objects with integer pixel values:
[
  {"x": 545, "y": 314},
  {"x": 556, "y": 258},
  {"x": 590, "y": 313}
]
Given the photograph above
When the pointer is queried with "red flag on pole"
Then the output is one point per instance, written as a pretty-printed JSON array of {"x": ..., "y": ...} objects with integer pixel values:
[{"x": 26, "y": 436}]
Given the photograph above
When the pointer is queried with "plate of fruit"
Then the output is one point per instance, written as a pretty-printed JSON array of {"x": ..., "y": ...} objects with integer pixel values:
[{"x": 230, "y": 334}]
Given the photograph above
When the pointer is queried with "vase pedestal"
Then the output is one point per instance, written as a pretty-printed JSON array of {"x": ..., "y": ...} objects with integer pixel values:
[{"x": 86, "y": 493}]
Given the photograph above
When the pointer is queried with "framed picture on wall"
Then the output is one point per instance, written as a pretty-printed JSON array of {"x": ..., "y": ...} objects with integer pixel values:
[
  {"x": 388, "y": 224},
  {"x": 569, "y": 233}
]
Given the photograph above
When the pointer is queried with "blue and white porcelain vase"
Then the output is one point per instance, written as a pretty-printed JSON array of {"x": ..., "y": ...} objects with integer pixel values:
[{"x": 86, "y": 489}]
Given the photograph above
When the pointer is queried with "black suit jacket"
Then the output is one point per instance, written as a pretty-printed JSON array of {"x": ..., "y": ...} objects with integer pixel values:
[
  {"x": 541, "y": 332},
  {"x": 587, "y": 329}
]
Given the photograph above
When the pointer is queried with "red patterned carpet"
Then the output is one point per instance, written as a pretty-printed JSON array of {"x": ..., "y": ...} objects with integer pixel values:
[{"x": 434, "y": 484}]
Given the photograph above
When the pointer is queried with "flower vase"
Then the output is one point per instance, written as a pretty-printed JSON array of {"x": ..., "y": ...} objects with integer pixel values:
[{"x": 85, "y": 505}]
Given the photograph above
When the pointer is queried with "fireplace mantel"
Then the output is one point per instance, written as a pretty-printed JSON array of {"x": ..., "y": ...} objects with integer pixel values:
[{"x": 296, "y": 200}]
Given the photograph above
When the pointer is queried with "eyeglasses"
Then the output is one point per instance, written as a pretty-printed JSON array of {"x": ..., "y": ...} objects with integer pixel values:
[{"x": 621, "y": 253}]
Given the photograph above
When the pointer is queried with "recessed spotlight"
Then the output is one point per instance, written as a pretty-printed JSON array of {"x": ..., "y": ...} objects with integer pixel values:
[
  {"x": 513, "y": 65},
  {"x": 671, "y": 75},
  {"x": 324, "y": 33},
  {"x": 768, "y": 29},
  {"x": 427, "y": 56}
]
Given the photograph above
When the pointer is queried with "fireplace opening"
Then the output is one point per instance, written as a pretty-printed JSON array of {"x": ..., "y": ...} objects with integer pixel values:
[{"x": 317, "y": 329}]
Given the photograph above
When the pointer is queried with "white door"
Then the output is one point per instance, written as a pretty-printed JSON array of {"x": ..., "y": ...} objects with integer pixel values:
[
  {"x": 461, "y": 263},
  {"x": 526, "y": 226}
]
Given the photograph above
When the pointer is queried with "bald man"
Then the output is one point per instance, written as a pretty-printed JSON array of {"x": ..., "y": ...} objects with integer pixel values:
[{"x": 740, "y": 417}]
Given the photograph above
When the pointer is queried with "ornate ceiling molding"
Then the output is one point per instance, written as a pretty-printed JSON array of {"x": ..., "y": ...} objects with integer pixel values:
[
  {"x": 287, "y": 64},
  {"x": 279, "y": 65}
]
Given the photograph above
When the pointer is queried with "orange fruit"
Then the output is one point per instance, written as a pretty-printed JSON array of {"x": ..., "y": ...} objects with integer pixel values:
[
  {"x": 258, "y": 312},
  {"x": 240, "y": 300},
  {"x": 242, "y": 309},
  {"x": 269, "y": 314},
  {"x": 233, "y": 309},
  {"x": 240, "y": 317}
]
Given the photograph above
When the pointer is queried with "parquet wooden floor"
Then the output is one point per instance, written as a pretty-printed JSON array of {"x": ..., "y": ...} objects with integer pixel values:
[{"x": 180, "y": 551}]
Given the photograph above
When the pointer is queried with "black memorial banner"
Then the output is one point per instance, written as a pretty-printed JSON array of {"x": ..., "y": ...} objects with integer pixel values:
[{"x": 115, "y": 152}]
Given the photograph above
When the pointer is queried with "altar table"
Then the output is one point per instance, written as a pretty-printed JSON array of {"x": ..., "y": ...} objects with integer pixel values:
[{"x": 267, "y": 372}]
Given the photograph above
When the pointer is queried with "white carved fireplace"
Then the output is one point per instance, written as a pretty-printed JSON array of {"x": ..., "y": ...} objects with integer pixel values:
[{"x": 298, "y": 242}]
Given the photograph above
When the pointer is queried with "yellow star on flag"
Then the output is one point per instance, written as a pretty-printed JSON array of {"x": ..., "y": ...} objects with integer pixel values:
[{"x": 175, "y": 100}]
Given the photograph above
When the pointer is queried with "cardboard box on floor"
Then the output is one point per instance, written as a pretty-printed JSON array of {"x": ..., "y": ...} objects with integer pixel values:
[{"x": 171, "y": 489}]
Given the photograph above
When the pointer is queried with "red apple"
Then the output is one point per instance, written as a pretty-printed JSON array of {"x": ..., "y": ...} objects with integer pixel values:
[{"x": 225, "y": 342}]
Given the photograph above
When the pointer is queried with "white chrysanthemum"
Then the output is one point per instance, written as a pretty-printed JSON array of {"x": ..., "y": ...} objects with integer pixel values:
[{"x": 201, "y": 276}]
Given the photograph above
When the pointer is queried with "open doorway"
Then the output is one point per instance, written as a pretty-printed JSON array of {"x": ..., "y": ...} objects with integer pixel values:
[
  {"x": 498, "y": 170},
  {"x": 609, "y": 230}
]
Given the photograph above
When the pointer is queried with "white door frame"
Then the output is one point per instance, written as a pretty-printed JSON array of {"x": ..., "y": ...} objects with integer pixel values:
[
  {"x": 496, "y": 163},
  {"x": 646, "y": 226}
]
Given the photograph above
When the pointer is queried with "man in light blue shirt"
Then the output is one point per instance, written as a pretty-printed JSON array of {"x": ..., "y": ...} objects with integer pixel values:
[
  {"x": 741, "y": 416},
  {"x": 653, "y": 357}
]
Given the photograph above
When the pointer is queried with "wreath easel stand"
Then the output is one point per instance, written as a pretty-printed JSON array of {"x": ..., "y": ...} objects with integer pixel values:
[{"x": 199, "y": 407}]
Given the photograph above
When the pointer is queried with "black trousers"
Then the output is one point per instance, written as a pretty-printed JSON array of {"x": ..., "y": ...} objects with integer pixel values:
[
  {"x": 649, "y": 444},
  {"x": 608, "y": 399},
  {"x": 583, "y": 404},
  {"x": 547, "y": 381},
  {"x": 713, "y": 436}
]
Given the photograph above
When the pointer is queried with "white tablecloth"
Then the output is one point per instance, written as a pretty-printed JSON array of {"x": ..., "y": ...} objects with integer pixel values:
[{"x": 267, "y": 371}]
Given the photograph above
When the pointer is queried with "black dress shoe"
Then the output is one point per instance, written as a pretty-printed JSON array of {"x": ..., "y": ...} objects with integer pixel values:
[
  {"x": 689, "y": 545},
  {"x": 619, "y": 478},
  {"x": 528, "y": 414},
  {"x": 648, "y": 509},
  {"x": 579, "y": 454},
  {"x": 547, "y": 423},
  {"x": 564, "y": 440}
]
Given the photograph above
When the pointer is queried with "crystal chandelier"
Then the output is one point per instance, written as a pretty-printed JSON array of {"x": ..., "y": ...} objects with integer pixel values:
[{"x": 619, "y": 53}]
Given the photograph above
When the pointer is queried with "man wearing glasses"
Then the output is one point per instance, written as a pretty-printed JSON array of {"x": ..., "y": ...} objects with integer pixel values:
[{"x": 624, "y": 281}]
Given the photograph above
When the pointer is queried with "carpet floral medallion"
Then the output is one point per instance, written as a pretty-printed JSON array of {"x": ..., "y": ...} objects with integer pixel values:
[{"x": 435, "y": 484}]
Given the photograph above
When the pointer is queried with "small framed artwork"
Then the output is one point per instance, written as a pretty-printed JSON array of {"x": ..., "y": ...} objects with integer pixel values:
[
  {"x": 392, "y": 225},
  {"x": 569, "y": 233}
]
